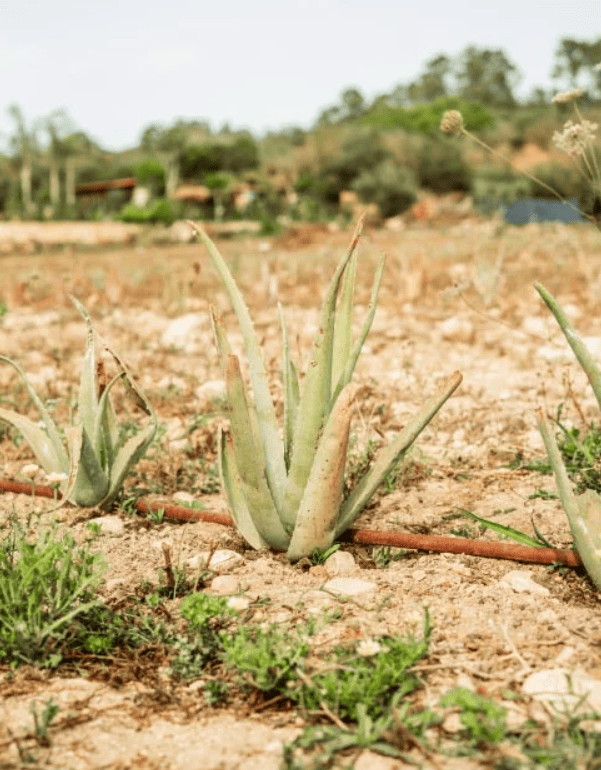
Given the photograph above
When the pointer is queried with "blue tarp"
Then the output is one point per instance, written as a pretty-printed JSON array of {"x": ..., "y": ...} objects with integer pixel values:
[{"x": 525, "y": 210}]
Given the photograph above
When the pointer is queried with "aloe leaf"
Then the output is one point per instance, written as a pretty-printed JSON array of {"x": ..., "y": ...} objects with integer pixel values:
[
  {"x": 129, "y": 454},
  {"x": 316, "y": 397},
  {"x": 388, "y": 456},
  {"x": 343, "y": 325},
  {"x": 223, "y": 345},
  {"x": 514, "y": 534},
  {"x": 91, "y": 483},
  {"x": 585, "y": 359},
  {"x": 232, "y": 483},
  {"x": 583, "y": 512},
  {"x": 320, "y": 505},
  {"x": 88, "y": 390},
  {"x": 291, "y": 391},
  {"x": 273, "y": 448},
  {"x": 37, "y": 438},
  {"x": 351, "y": 360},
  {"x": 249, "y": 461},
  {"x": 106, "y": 434},
  {"x": 52, "y": 430}
]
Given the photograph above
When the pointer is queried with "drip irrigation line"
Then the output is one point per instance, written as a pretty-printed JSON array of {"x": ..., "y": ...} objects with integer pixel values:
[{"x": 486, "y": 548}]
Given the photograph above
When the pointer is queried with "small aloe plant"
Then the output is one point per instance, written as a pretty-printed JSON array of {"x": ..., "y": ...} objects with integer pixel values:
[
  {"x": 287, "y": 491},
  {"x": 583, "y": 511},
  {"x": 94, "y": 461}
]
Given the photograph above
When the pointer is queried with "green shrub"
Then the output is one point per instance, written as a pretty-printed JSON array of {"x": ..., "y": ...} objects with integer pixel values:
[
  {"x": 425, "y": 118},
  {"x": 150, "y": 172},
  {"x": 441, "y": 168},
  {"x": 391, "y": 186},
  {"x": 161, "y": 210}
]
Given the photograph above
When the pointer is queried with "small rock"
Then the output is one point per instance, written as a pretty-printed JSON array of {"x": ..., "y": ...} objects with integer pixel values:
[
  {"x": 210, "y": 391},
  {"x": 340, "y": 563},
  {"x": 110, "y": 525},
  {"x": 452, "y": 723},
  {"x": 564, "y": 690},
  {"x": 369, "y": 760},
  {"x": 225, "y": 584},
  {"x": 238, "y": 603},
  {"x": 221, "y": 561},
  {"x": 349, "y": 586},
  {"x": 184, "y": 497},
  {"x": 457, "y": 330},
  {"x": 521, "y": 582},
  {"x": 184, "y": 330}
]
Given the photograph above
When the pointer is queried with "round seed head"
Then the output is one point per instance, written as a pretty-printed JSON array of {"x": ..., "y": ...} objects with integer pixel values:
[{"x": 452, "y": 122}]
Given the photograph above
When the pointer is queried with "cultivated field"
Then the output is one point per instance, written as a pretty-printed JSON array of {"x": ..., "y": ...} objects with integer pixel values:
[{"x": 459, "y": 298}]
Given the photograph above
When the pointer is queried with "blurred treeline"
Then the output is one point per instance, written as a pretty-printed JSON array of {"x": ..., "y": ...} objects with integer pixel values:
[{"x": 383, "y": 150}]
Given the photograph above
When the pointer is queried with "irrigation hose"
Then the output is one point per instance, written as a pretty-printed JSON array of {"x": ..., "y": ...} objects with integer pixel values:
[{"x": 486, "y": 548}]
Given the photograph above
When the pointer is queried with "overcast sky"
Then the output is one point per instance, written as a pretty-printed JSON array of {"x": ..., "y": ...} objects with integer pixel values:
[{"x": 118, "y": 65}]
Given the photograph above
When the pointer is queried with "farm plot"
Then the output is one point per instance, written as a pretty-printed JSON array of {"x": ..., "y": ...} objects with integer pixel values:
[{"x": 373, "y": 657}]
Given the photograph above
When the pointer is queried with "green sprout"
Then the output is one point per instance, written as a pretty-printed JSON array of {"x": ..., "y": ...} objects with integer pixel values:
[
  {"x": 91, "y": 468},
  {"x": 287, "y": 492}
]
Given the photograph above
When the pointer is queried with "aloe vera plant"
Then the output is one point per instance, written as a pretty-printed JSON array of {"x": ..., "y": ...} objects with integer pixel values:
[
  {"x": 94, "y": 460},
  {"x": 286, "y": 491},
  {"x": 583, "y": 511}
]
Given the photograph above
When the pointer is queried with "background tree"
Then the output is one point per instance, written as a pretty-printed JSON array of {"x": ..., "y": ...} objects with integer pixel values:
[
  {"x": 24, "y": 148},
  {"x": 487, "y": 76},
  {"x": 432, "y": 83},
  {"x": 574, "y": 58},
  {"x": 58, "y": 126}
]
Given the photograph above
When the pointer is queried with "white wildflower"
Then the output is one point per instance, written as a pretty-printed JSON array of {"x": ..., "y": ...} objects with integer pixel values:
[
  {"x": 30, "y": 470},
  {"x": 368, "y": 647},
  {"x": 568, "y": 96},
  {"x": 56, "y": 478},
  {"x": 597, "y": 66},
  {"x": 575, "y": 137}
]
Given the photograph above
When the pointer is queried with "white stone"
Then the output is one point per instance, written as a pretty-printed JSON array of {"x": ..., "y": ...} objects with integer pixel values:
[
  {"x": 221, "y": 561},
  {"x": 340, "y": 563},
  {"x": 225, "y": 584},
  {"x": 565, "y": 690},
  {"x": 110, "y": 525},
  {"x": 212, "y": 390},
  {"x": 457, "y": 330},
  {"x": 349, "y": 586},
  {"x": 521, "y": 581},
  {"x": 184, "y": 330}
]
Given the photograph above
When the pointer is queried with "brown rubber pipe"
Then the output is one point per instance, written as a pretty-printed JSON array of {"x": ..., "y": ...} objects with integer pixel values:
[{"x": 486, "y": 548}]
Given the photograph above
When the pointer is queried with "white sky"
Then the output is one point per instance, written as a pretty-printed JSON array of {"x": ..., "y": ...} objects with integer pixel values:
[{"x": 117, "y": 66}]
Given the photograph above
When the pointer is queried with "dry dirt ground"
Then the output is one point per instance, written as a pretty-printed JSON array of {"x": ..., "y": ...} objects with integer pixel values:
[{"x": 459, "y": 298}]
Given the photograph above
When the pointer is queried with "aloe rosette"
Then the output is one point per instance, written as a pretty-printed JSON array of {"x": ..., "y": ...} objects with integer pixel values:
[
  {"x": 94, "y": 460},
  {"x": 583, "y": 511},
  {"x": 286, "y": 489}
]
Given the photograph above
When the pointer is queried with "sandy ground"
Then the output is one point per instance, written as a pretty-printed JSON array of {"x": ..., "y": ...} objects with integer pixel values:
[{"x": 459, "y": 298}]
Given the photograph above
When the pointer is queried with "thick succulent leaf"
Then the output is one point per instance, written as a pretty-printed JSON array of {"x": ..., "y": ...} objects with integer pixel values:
[
  {"x": 291, "y": 391},
  {"x": 37, "y": 438},
  {"x": 88, "y": 388},
  {"x": 249, "y": 461},
  {"x": 583, "y": 512},
  {"x": 51, "y": 429},
  {"x": 585, "y": 359},
  {"x": 106, "y": 433},
  {"x": 273, "y": 447},
  {"x": 389, "y": 456},
  {"x": 223, "y": 345},
  {"x": 314, "y": 404},
  {"x": 232, "y": 483},
  {"x": 351, "y": 360},
  {"x": 320, "y": 505},
  {"x": 91, "y": 483},
  {"x": 343, "y": 325},
  {"x": 129, "y": 454}
]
